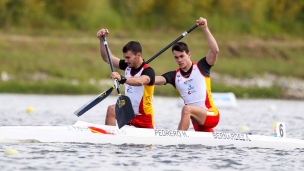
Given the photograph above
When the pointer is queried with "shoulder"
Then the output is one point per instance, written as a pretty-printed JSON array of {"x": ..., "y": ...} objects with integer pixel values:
[
  {"x": 148, "y": 71},
  {"x": 122, "y": 64},
  {"x": 204, "y": 67},
  {"x": 169, "y": 74},
  {"x": 203, "y": 62},
  {"x": 170, "y": 77},
  {"x": 147, "y": 67}
]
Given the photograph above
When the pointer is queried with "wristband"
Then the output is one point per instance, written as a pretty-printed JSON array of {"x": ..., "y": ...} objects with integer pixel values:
[{"x": 122, "y": 79}]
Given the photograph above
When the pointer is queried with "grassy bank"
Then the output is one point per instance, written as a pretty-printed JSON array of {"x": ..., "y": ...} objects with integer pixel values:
[{"x": 69, "y": 62}]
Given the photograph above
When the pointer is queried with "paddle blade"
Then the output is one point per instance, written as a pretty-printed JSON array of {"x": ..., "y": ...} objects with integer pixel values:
[
  {"x": 93, "y": 102},
  {"x": 124, "y": 111}
]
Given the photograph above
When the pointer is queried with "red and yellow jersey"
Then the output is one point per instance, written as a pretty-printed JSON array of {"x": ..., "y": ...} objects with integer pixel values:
[{"x": 140, "y": 96}]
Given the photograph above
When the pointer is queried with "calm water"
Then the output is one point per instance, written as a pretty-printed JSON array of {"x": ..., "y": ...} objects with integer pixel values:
[{"x": 258, "y": 115}]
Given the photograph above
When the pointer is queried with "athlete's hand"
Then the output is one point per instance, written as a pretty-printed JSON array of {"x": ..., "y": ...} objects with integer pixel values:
[
  {"x": 202, "y": 22},
  {"x": 102, "y": 32},
  {"x": 116, "y": 75}
]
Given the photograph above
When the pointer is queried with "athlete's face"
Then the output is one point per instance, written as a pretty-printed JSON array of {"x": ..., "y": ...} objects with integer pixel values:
[
  {"x": 182, "y": 59},
  {"x": 131, "y": 59}
]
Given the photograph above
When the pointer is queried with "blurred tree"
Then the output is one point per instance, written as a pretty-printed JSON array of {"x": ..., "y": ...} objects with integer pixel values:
[
  {"x": 11, "y": 12},
  {"x": 249, "y": 16}
]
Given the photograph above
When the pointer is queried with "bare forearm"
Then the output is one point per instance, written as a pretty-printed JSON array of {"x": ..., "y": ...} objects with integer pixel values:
[
  {"x": 211, "y": 41},
  {"x": 138, "y": 81},
  {"x": 135, "y": 82},
  {"x": 160, "y": 80}
]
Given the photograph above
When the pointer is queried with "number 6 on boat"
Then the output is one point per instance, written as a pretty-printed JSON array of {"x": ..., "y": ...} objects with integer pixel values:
[{"x": 279, "y": 129}]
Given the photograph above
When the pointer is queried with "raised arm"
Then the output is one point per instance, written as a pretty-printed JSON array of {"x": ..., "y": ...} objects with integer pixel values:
[
  {"x": 103, "y": 52},
  {"x": 211, "y": 56}
]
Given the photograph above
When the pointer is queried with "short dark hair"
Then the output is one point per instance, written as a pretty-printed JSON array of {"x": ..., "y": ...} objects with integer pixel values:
[
  {"x": 180, "y": 46},
  {"x": 133, "y": 46}
]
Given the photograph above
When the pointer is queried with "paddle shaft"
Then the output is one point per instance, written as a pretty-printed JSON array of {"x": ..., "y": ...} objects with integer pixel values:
[
  {"x": 111, "y": 63},
  {"x": 172, "y": 43}
]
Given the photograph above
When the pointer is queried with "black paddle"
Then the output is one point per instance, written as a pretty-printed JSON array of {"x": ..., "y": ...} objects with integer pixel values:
[
  {"x": 123, "y": 108},
  {"x": 98, "y": 99},
  {"x": 93, "y": 102}
]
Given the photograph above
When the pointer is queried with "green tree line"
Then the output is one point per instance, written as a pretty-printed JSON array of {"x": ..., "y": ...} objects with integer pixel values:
[{"x": 257, "y": 17}]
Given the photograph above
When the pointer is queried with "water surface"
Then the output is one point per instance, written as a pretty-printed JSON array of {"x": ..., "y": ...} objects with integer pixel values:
[{"x": 258, "y": 115}]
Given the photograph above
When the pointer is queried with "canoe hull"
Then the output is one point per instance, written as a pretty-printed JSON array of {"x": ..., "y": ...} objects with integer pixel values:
[{"x": 84, "y": 132}]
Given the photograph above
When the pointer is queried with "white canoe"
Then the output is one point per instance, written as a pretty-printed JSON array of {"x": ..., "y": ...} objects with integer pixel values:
[{"x": 84, "y": 132}]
